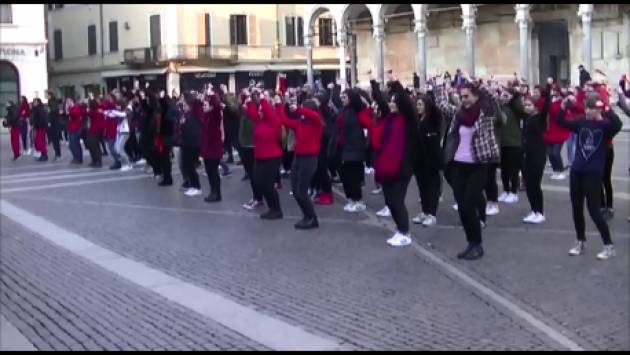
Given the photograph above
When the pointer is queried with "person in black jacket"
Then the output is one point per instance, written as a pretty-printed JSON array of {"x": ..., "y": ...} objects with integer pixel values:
[
  {"x": 428, "y": 162},
  {"x": 534, "y": 155},
  {"x": 40, "y": 123},
  {"x": 166, "y": 132},
  {"x": 585, "y": 76},
  {"x": 54, "y": 127},
  {"x": 190, "y": 143},
  {"x": 13, "y": 123}
]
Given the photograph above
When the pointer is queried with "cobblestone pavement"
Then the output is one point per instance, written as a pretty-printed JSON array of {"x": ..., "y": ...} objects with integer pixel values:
[{"x": 341, "y": 282}]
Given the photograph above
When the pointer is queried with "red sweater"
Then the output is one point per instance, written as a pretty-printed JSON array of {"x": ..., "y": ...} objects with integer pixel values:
[
  {"x": 267, "y": 131},
  {"x": 75, "y": 115},
  {"x": 25, "y": 111},
  {"x": 96, "y": 121},
  {"x": 308, "y": 131},
  {"x": 555, "y": 134},
  {"x": 210, "y": 144},
  {"x": 110, "y": 124},
  {"x": 376, "y": 133}
]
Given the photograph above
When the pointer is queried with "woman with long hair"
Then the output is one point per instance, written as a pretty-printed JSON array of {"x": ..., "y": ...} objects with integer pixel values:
[{"x": 40, "y": 124}]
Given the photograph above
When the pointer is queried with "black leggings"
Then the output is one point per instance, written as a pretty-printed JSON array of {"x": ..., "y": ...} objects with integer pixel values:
[
  {"x": 491, "y": 188},
  {"x": 321, "y": 180},
  {"x": 607, "y": 189},
  {"x": 468, "y": 182},
  {"x": 429, "y": 181},
  {"x": 351, "y": 177},
  {"x": 91, "y": 143},
  {"x": 287, "y": 159},
  {"x": 190, "y": 156},
  {"x": 212, "y": 170},
  {"x": 587, "y": 185},
  {"x": 247, "y": 157},
  {"x": 302, "y": 172},
  {"x": 395, "y": 192},
  {"x": 54, "y": 136},
  {"x": 510, "y": 166},
  {"x": 533, "y": 168},
  {"x": 265, "y": 172},
  {"x": 164, "y": 163}
]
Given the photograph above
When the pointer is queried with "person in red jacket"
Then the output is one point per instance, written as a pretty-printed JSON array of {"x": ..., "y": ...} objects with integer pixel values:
[
  {"x": 75, "y": 116},
  {"x": 211, "y": 144},
  {"x": 555, "y": 136},
  {"x": 110, "y": 125},
  {"x": 308, "y": 130},
  {"x": 267, "y": 150}
]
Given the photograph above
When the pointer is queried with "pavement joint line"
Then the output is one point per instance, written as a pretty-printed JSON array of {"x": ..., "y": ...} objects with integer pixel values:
[
  {"x": 11, "y": 339},
  {"x": 71, "y": 184},
  {"x": 62, "y": 177},
  {"x": 176, "y": 209},
  {"x": 252, "y": 324},
  {"x": 478, "y": 287},
  {"x": 45, "y": 173}
]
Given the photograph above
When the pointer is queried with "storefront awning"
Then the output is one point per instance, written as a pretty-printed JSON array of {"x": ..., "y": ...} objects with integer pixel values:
[{"x": 132, "y": 72}]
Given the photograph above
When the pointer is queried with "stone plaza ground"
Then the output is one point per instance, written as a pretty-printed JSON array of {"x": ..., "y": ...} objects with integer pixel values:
[{"x": 104, "y": 260}]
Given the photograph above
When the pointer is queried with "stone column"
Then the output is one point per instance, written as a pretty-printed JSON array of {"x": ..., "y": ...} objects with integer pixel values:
[
  {"x": 421, "y": 51},
  {"x": 469, "y": 12},
  {"x": 308, "y": 42},
  {"x": 342, "y": 40},
  {"x": 585, "y": 12},
  {"x": 353, "y": 58},
  {"x": 379, "y": 35},
  {"x": 523, "y": 19}
]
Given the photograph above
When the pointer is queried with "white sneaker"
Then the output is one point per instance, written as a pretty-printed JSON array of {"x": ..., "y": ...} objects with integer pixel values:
[
  {"x": 384, "y": 212},
  {"x": 492, "y": 209},
  {"x": 502, "y": 196},
  {"x": 357, "y": 207},
  {"x": 558, "y": 176},
  {"x": 607, "y": 253},
  {"x": 126, "y": 167},
  {"x": 141, "y": 162},
  {"x": 511, "y": 198},
  {"x": 577, "y": 249},
  {"x": 348, "y": 206},
  {"x": 399, "y": 240},
  {"x": 192, "y": 192},
  {"x": 377, "y": 190},
  {"x": 29, "y": 152},
  {"x": 529, "y": 217},
  {"x": 429, "y": 221},
  {"x": 419, "y": 218},
  {"x": 455, "y": 207},
  {"x": 368, "y": 171},
  {"x": 538, "y": 218}
]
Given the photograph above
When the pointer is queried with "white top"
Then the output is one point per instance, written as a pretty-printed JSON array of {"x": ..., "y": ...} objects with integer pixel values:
[{"x": 464, "y": 150}]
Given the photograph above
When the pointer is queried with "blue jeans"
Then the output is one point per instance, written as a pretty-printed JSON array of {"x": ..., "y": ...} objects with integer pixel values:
[
  {"x": 75, "y": 146},
  {"x": 555, "y": 157},
  {"x": 111, "y": 143},
  {"x": 571, "y": 147}
]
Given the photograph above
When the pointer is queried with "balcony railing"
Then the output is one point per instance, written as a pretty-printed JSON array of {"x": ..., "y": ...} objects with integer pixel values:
[{"x": 155, "y": 55}]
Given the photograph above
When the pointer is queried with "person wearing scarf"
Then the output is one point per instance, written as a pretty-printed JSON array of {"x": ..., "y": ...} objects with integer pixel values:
[{"x": 470, "y": 146}]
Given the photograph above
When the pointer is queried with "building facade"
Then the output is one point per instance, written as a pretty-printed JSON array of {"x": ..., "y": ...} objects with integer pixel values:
[
  {"x": 101, "y": 47},
  {"x": 23, "y": 70}
]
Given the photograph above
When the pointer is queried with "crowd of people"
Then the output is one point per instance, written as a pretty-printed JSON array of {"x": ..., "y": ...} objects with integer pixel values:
[{"x": 460, "y": 129}]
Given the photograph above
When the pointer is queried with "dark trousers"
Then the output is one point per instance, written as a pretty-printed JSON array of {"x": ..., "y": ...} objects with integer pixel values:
[
  {"x": 92, "y": 145},
  {"x": 164, "y": 163},
  {"x": 287, "y": 160},
  {"x": 468, "y": 182},
  {"x": 265, "y": 172},
  {"x": 149, "y": 153},
  {"x": 351, "y": 176},
  {"x": 212, "y": 170},
  {"x": 395, "y": 192},
  {"x": 555, "y": 158},
  {"x": 533, "y": 168},
  {"x": 302, "y": 172},
  {"x": 607, "y": 189},
  {"x": 24, "y": 133},
  {"x": 587, "y": 185},
  {"x": 101, "y": 141},
  {"x": 190, "y": 156},
  {"x": 321, "y": 181},
  {"x": 247, "y": 157},
  {"x": 491, "y": 187},
  {"x": 510, "y": 166},
  {"x": 75, "y": 146},
  {"x": 131, "y": 147},
  {"x": 429, "y": 181},
  {"x": 54, "y": 137}
]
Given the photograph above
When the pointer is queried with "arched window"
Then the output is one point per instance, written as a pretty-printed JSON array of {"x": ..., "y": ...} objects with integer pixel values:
[{"x": 9, "y": 85}]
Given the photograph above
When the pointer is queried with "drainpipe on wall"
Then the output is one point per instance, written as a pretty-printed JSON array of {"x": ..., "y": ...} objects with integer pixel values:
[
  {"x": 100, "y": 9},
  {"x": 277, "y": 31}
]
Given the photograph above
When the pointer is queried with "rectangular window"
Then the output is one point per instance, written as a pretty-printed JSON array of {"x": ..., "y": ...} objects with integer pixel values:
[
  {"x": 6, "y": 13},
  {"x": 155, "y": 31},
  {"x": 300, "y": 31},
  {"x": 91, "y": 39},
  {"x": 207, "y": 26},
  {"x": 58, "y": 45},
  {"x": 325, "y": 32},
  {"x": 290, "y": 30},
  {"x": 238, "y": 29},
  {"x": 113, "y": 36}
]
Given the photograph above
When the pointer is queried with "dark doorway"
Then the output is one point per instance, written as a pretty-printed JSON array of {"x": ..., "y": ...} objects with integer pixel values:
[
  {"x": 553, "y": 49},
  {"x": 9, "y": 86}
]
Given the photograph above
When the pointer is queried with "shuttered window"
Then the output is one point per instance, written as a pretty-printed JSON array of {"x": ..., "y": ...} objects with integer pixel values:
[
  {"x": 58, "y": 45},
  {"x": 91, "y": 40},
  {"x": 113, "y": 36},
  {"x": 325, "y": 32},
  {"x": 238, "y": 29}
]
